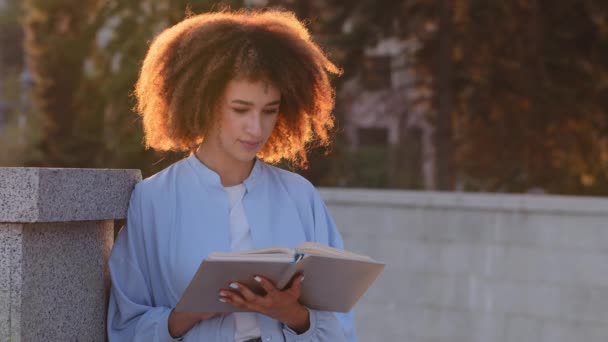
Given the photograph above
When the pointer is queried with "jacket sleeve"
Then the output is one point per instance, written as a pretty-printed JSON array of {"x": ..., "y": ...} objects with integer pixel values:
[
  {"x": 325, "y": 326},
  {"x": 132, "y": 315}
]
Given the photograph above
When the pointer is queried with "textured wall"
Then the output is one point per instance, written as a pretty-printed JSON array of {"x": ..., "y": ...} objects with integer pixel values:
[
  {"x": 65, "y": 272},
  {"x": 466, "y": 267},
  {"x": 61, "y": 195},
  {"x": 460, "y": 267},
  {"x": 56, "y": 232},
  {"x": 10, "y": 281},
  {"x": 53, "y": 279}
]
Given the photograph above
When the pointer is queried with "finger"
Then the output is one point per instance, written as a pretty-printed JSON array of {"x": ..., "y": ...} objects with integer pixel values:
[
  {"x": 245, "y": 292},
  {"x": 296, "y": 286},
  {"x": 233, "y": 299},
  {"x": 266, "y": 284}
]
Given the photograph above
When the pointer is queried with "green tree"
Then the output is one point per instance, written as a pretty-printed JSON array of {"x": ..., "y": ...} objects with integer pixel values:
[
  {"x": 531, "y": 84},
  {"x": 85, "y": 57},
  {"x": 59, "y": 36},
  {"x": 520, "y": 87},
  {"x": 16, "y": 138},
  {"x": 122, "y": 42}
]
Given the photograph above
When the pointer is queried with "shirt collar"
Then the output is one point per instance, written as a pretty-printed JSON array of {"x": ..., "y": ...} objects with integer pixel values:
[{"x": 210, "y": 177}]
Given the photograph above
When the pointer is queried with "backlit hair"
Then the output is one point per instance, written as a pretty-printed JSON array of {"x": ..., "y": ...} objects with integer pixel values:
[{"x": 188, "y": 66}]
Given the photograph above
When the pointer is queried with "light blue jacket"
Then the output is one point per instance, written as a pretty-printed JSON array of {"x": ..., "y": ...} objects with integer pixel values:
[{"x": 180, "y": 215}]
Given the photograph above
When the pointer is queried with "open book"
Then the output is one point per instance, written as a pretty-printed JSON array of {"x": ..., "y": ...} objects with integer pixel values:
[{"x": 334, "y": 279}]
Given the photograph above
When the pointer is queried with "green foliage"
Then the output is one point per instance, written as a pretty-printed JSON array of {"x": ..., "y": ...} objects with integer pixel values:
[
  {"x": 59, "y": 35},
  {"x": 11, "y": 37},
  {"x": 530, "y": 108},
  {"x": 18, "y": 142},
  {"x": 18, "y": 137},
  {"x": 529, "y": 86},
  {"x": 370, "y": 167},
  {"x": 129, "y": 27},
  {"x": 528, "y": 90}
]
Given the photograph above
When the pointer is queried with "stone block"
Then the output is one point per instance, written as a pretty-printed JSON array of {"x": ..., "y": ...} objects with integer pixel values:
[
  {"x": 61, "y": 195},
  {"x": 56, "y": 233},
  {"x": 568, "y": 331},
  {"x": 55, "y": 281},
  {"x": 519, "y": 328}
]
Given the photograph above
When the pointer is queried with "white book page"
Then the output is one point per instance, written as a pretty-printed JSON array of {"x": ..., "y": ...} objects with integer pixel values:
[
  {"x": 319, "y": 249},
  {"x": 270, "y": 254}
]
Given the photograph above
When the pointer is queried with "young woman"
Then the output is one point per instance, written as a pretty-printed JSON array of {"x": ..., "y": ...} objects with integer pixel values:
[{"x": 236, "y": 90}]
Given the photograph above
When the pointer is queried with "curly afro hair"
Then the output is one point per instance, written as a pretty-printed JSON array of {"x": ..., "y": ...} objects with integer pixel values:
[{"x": 188, "y": 66}]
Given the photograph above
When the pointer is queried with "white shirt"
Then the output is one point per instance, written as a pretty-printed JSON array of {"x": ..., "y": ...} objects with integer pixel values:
[{"x": 246, "y": 325}]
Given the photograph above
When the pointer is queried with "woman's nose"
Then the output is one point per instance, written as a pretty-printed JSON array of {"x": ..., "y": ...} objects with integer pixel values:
[{"x": 254, "y": 125}]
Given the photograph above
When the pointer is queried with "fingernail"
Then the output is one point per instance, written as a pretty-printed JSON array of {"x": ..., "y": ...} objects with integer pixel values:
[
  {"x": 234, "y": 286},
  {"x": 222, "y": 300},
  {"x": 258, "y": 279},
  {"x": 302, "y": 279}
]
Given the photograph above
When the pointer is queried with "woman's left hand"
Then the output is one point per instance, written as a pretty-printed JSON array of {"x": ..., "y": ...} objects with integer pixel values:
[{"x": 280, "y": 305}]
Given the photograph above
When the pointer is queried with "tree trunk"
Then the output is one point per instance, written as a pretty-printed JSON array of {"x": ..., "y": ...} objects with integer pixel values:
[{"x": 443, "y": 134}]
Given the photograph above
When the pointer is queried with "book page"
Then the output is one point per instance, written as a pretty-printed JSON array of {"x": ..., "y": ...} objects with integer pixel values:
[
  {"x": 320, "y": 249},
  {"x": 271, "y": 254}
]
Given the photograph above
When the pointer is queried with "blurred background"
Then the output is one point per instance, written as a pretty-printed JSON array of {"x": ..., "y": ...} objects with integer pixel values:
[
  {"x": 474, "y": 97},
  {"x": 467, "y": 95}
]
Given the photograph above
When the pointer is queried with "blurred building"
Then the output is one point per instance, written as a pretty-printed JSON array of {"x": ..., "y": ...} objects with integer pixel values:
[{"x": 386, "y": 108}]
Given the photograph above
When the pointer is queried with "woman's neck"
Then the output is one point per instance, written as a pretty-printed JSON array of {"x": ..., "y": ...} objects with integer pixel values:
[{"x": 232, "y": 172}]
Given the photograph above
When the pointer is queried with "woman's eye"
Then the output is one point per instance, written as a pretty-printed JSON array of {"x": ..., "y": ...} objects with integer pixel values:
[
  {"x": 271, "y": 111},
  {"x": 240, "y": 110}
]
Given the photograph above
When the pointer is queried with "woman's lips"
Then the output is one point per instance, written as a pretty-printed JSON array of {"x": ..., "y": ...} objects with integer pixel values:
[{"x": 250, "y": 145}]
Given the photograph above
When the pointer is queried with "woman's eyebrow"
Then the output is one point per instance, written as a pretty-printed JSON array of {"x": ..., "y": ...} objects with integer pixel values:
[
  {"x": 247, "y": 103},
  {"x": 242, "y": 102}
]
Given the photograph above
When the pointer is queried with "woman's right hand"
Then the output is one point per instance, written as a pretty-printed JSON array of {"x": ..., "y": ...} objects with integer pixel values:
[{"x": 181, "y": 322}]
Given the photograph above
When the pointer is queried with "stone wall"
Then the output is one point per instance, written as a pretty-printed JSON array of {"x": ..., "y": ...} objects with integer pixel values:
[
  {"x": 479, "y": 267},
  {"x": 460, "y": 267},
  {"x": 56, "y": 232}
]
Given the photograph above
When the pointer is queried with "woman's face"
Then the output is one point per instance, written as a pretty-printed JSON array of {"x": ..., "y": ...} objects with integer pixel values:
[{"x": 247, "y": 115}]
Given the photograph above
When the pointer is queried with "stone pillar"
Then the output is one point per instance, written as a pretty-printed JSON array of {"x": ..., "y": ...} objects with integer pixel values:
[{"x": 56, "y": 233}]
